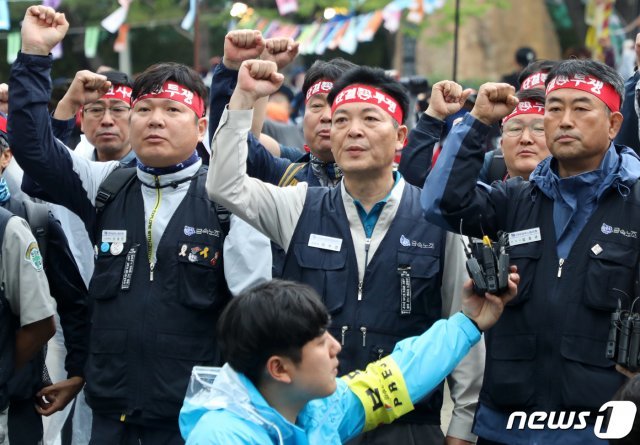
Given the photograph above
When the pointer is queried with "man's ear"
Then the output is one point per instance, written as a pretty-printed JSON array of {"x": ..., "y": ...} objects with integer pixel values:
[
  {"x": 402, "y": 133},
  {"x": 615, "y": 122},
  {"x": 279, "y": 368},
  {"x": 202, "y": 128}
]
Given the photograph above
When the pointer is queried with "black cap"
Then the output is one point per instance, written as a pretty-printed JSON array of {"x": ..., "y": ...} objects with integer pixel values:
[{"x": 525, "y": 55}]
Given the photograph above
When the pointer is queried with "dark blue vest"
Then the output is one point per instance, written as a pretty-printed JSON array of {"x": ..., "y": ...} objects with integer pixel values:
[
  {"x": 7, "y": 327},
  {"x": 547, "y": 351},
  {"x": 147, "y": 335},
  {"x": 369, "y": 328}
]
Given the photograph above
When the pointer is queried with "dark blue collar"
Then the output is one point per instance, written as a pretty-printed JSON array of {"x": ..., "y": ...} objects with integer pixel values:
[{"x": 158, "y": 171}]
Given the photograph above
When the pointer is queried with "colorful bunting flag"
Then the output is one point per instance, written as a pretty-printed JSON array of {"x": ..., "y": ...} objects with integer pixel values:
[
  {"x": 91, "y": 35},
  {"x": 120, "y": 44},
  {"x": 189, "y": 19},
  {"x": 5, "y": 20},
  {"x": 13, "y": 46},
  {"x": 114, "y": 20},
  {"x": 287, "y": 6}
]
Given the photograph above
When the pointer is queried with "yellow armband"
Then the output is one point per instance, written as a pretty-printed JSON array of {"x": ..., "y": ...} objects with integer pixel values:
[{"x": 382, "y": 391}]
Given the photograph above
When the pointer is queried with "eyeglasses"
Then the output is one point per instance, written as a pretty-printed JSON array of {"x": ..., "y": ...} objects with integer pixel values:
[
  {"x": 515, "y": 129},
  {"x": 98, "y": 112}
]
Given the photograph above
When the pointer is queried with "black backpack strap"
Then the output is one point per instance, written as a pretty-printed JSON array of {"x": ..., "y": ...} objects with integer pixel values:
[
  {"x": 112, "y": 185},
  {"x": 37, "y": 215},
  {"x": 497, "y": 167},
  {"x": 288, "y": 178}
]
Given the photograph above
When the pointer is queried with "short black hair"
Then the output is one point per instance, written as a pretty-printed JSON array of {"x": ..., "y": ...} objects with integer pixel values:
[
  {"x": 377, "y": 78},
  {"x": 533, "y": 95},
  {"x": 156, "y": 75},
  {"x": 118, "y": 78},
  {"x": 589, "y": 67},
  {"x": 539, "y": 66},
  {"x": 630, "y": 391},
  {"x": 325, "y": 69},
  {"x": 274, "y": 318}
]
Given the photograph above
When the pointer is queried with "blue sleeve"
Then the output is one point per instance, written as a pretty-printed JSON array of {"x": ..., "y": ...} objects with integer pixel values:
[
  {"x": 62, "y": 129},
  {"x": 290, "y": 153},
  {"x": 223, "y": 83},
  {"x": 628, "y": 134},
  {"x": 70, "y": 293},
  {"x": 261, "y": 164},
  {"x": 69, "y": 180},
  {"x": 486, "y": 165},
  {"x": 415, "y": 161},
  {"x": 426, "y": 360},
  {"x": 451, "y": 193},
  {"x": 353, "y": 417}
]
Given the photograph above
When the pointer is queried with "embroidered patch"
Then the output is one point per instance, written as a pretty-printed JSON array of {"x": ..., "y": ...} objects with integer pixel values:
[{"x": 33, "y": 256}]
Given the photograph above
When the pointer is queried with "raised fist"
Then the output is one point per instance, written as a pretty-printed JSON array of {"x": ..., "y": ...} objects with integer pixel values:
[
  {"x": 42, "y": 29},
  {"x": 241, "y": 45},
  {"x": 281, "y": 50},
  {"x": 494, "y": 101}
]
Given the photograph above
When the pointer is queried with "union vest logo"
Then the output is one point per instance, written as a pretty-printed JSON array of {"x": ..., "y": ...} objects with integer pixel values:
[
  {"x": 189, "y": 231},
  {"x": 606, "y": 229},
  {"x": 405, "y": 241}
]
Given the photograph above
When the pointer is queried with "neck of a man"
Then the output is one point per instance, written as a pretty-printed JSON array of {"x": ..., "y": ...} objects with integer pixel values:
[
  {"x": 278, "y": 397},
  {"x": 574, "y": 167},
  {"x": 368, "y": 187},
  {"x": 112, "y": 155}
]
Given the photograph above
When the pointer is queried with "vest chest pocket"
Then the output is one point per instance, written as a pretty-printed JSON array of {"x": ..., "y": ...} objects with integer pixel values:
[
  {"x": 525, "y": 257},
  {"x": 611, "y": 266},
  {"x": 509, "y": 374},
  {"x": 198, "y": 269},
  {"x": 107, "y": 277},
  {"x": 324, "y": 271}
]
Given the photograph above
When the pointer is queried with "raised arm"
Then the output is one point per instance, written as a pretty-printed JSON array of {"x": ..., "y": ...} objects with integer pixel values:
[
  {"x": 389, "y": 387},
  {"x": 68, "y": 179},
  {"x": 272, "y": 210},
  {"x": 451, "y": 194},
  {"x": 447, "y": 98}
]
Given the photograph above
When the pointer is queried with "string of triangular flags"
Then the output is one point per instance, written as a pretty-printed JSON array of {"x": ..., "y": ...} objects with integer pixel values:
[{"x": 342, "y": 32}]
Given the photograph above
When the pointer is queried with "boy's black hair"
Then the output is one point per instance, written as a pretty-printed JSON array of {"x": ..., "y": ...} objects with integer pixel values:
[
  {"x": 274, "y": 318},
  {"x": 376, "y": 78},
  {"x": 156, "y": 75},
  {"x": 325, "y": 69},
  {"x": 593, "y": 68}
]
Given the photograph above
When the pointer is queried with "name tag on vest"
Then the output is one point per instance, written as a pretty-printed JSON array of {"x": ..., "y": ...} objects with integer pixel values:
[
  {"x": 525, "y": 236},
  {"x": 325, "y": 242},
  {"x": 114, "y": 236}
]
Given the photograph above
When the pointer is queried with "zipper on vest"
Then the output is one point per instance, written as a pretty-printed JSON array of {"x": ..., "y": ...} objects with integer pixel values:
[
  {"x": 152, "y": 264},
  {"x": 560, "y": 263},
  {"x": 364, "y": 336},
  {"x": 367, "y": 244},
  {"x": 343, "y": 332}
]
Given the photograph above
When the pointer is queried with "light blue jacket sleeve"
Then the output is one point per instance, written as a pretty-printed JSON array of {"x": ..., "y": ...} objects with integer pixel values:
[{"x": 424, "y": 362}]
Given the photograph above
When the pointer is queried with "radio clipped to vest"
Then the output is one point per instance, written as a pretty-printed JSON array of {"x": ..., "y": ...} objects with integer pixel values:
[
  {"x": 623, "y": 344},
  {"x": 488, "y": 264}
]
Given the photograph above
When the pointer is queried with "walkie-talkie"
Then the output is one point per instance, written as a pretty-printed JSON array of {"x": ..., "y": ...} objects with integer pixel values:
[{"x": 490, "y": 271}]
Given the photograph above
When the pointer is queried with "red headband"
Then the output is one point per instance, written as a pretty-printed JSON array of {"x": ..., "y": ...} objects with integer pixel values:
[
  {"x": 535, "y": 80},
  {"x": 3, "y": 124},
  {"x": 119, "y": 92},
  {"x": 364, "y": 93},
  {"x": 526, "y": 107},
  {"x": 320, "y": 87},
  {"x": 177, "y": 92},
  {"x": 589, "y": 84}
]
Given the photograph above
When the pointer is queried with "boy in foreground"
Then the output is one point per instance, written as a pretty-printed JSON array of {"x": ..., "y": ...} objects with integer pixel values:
[{"x": 279, "y": 385}]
